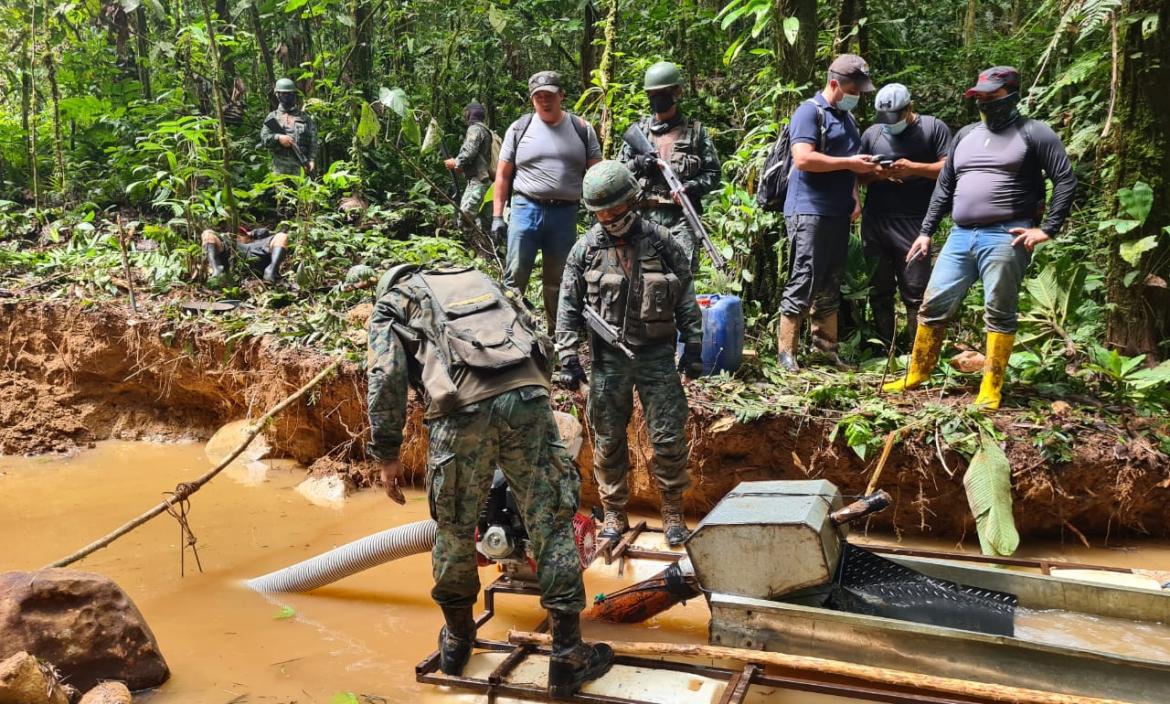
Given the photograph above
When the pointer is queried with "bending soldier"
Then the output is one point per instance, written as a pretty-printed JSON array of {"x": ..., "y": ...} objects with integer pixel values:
[
  {"x": 683, "y": 144},
  {"x": 637, "y": 279},
  {"x": 482, "y": 365},
  {"x": 260, "y": 249},
  {"x": 294, "y": 145}
]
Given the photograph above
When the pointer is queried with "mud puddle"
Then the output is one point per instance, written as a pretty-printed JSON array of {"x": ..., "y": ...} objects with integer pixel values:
[{"x": 227, "y": 644}]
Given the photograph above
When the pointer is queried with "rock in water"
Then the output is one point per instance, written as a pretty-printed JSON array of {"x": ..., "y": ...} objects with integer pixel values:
[
  {"x": 83, "y": 623},
  {"x": 23, "y": 680},
  {"x": 107, "y": 693}
]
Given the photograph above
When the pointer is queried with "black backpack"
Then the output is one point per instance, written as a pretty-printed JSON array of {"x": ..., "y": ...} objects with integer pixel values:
[{"x": 773, "y": 186}]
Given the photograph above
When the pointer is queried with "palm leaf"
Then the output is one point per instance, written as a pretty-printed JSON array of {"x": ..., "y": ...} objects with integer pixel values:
[{"x": 988, "y": 482}]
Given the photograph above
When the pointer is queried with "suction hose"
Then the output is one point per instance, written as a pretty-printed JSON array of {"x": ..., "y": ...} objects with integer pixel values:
[{"x": 351, "y": 558}]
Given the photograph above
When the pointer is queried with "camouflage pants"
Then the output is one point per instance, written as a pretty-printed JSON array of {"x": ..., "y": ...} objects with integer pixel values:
[
  {"x": 516, "y": 433},
  {"x": 680, "y": 230},
  {"x": 472, "y": 200},
  {"x": 611, "y": 404}
]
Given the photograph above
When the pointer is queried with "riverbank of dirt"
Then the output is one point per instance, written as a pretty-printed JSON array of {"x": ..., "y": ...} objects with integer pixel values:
[{"x": 72, "y": 375}]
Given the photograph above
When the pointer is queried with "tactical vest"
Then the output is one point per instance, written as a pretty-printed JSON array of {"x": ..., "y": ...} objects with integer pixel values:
[
  {"x": 678, "y": 147},
  {"x": 642, "y": 305},
  {"x": 480, "y": 343}
]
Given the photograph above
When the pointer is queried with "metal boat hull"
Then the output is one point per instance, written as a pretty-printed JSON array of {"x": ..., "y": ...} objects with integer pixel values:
[{"x": 881, "y": 642}]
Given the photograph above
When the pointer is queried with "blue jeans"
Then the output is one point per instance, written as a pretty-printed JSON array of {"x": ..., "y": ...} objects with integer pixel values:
[
  {"x": 550, "y": 228},
  {"x": 985, "y": 253}
]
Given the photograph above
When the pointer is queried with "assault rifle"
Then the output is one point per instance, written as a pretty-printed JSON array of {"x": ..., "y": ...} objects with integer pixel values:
[
  {"x": 641, "y": 146},
  {"x": 275, "y": 127},
  {"x": 608, "y": 333},
  {"x": 446, "y": 153}
]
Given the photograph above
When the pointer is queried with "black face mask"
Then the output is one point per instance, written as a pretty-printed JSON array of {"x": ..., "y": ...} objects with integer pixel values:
[
  {"x": 661, "y": 102},
  {"x": 1000, "y": 113},
  {"x": 288, "y": 101}
]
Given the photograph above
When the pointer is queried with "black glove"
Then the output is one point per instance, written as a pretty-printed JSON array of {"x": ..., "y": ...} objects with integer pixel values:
[
  {"x": 691, "y": 362},
  {"x": 499, "y": 230},
  {"x": 645, "y": 164},
  {"x": 571, "y": 374}
]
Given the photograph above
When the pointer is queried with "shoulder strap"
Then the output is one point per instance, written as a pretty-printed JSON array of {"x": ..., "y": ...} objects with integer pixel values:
[
  {"x": 821, "y": 129},
  {"x": 521, "y": 129},
  {"x": 658, "y": 236},
  {"x": 393, "y": 276},
  {"x": 582, "y": 132}
]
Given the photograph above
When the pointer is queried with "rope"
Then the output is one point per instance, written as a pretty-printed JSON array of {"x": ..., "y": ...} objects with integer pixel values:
[{"x": 184, "y": 490}]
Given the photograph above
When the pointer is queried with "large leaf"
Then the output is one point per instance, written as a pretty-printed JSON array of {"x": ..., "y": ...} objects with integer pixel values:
[
  {"x": 497, "y": 19},
  {"x": 411, "y": 129},
  {"x": 368, "y": 126},
  {"x": 1133, "y": 250},
  {"x": 988, "y": 483},
  {"x": 432, "y": 137},
  {"x": 1137, "y": 201},
  {"x": 393, "y": 98},
  {"x": 791, "y": 29}
]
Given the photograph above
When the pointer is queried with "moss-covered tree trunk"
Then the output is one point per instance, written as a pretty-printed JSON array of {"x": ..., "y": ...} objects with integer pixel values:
[{"x": 1139, "y": 319}]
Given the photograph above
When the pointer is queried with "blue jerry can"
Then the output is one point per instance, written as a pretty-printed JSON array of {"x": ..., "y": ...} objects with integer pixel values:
[{"x": 722, "y": 332}]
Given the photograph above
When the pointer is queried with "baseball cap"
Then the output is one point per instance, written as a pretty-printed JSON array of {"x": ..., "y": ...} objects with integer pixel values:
[
  {"x": 852, "y": 67},
  {"x": 889, "y": 103},
  {"x": 995, "y": 78},
  {"x": 544, "y": 80}
]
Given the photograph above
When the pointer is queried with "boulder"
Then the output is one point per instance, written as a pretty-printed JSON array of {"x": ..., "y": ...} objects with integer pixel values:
[
  {"x": 329, "y": 491},
  {"x": 24, "y": 680},
  {"x": 82, "y": 623},
  {"x": 107, "y": 693}
]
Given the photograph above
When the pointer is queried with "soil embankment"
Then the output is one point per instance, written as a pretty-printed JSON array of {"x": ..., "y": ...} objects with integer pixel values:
[{"x": 71, "y": 375}]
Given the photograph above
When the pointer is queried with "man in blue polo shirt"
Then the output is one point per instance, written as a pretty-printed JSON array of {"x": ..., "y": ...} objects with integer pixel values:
[{"x": 820, "y": 204}]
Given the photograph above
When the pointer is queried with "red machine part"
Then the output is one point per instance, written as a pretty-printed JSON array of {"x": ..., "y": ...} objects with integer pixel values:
[{"x": 585, "y": 537}]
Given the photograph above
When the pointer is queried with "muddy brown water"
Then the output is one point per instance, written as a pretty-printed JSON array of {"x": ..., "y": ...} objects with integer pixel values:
[{"x": 227, "y": 644}]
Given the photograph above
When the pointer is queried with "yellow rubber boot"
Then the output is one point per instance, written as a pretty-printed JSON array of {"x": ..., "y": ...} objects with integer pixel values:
[
  {"x": 923, "y": 358},
  {"x": 999, "y": 349}
]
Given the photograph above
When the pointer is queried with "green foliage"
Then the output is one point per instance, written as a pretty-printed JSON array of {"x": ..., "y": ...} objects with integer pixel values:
[{"x": 988, "y": 483}]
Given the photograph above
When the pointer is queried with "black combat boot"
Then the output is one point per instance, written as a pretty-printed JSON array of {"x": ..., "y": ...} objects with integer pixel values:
[
  {"x": 573, "y": 663},
  {"x": 456, "y": 639},
  {"x": 674, "y": 526},
  {"x": 214, "y": 261},
  {"x": 272, "y": 271}
]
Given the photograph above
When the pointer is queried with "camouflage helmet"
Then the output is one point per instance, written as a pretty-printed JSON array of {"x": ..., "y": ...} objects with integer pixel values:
[
  {"x": 609, "y": 184},
  {"x": 285, "y": 85},
  {"x": 662, "y": 75}
]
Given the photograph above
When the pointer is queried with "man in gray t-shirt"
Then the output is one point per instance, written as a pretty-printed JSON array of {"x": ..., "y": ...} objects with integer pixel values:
[{"x": 542, "y": 162}]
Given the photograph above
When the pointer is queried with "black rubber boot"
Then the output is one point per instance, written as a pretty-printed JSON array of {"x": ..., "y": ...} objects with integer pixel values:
[
  {"x": 272, "y": 271},
  {"x": 573, "y": 663},
  {"x": 214, "y": 261},
  {"x": 456, "y": 639}
]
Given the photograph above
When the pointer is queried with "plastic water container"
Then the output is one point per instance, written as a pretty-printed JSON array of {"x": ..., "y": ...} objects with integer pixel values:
[{"x": 722, "y": 332}]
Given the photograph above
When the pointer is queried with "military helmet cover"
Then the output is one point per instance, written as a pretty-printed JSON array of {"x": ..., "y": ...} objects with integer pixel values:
[
  {"x": 609, "y": 184},
  {"x": 663, "y": 74},
  {"x": 285, "y": 85}
]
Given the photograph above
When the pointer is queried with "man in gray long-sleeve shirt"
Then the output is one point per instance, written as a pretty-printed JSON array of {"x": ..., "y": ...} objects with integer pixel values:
[{"x": 993, "y": 187}]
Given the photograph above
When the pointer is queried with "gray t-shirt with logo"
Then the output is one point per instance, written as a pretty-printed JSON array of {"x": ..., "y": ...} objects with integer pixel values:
[{"x": 550, "y": 159}]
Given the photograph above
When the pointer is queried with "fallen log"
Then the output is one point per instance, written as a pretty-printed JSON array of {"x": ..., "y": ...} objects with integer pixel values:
[{"x": 900, "y": 678}]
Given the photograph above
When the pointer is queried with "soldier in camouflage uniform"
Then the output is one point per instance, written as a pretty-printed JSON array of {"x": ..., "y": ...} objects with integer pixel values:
[
  {"x": 638, "y": 279},
  {"x": 481, "y": 363},
  {"x": 683, "y": 144},
  {"x": 474, "y": 161},
  {"x": 300, "y": 127}
]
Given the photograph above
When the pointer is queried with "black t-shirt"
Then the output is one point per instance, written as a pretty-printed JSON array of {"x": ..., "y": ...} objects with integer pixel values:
[{"x": 926, "y": 141}]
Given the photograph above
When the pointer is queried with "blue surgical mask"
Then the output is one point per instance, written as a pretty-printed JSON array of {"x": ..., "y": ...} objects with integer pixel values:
[
  {"x": 848, "y": 101},
  {"x": 895, "y": 129}
]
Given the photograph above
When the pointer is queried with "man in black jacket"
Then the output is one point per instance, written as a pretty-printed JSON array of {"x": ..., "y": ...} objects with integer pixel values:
[{"x": 992, "y": 185}]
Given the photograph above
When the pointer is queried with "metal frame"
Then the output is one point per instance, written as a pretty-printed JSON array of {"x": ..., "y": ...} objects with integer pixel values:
[{"x": 738, "y": 681}]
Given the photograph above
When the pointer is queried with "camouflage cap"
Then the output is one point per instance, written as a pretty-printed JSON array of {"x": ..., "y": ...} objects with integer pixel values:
[{"x": 544, "y": 80}]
